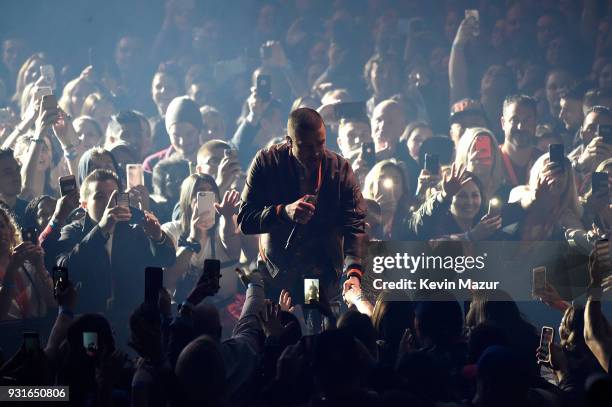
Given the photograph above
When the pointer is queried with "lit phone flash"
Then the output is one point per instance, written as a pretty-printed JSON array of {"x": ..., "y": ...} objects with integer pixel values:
[{"x": 388, "y": 183}]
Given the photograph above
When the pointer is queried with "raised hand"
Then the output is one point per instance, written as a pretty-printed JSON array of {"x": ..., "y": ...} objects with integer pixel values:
[
  {"x": 486, "y": 227},
  {"x": 113, "y": 214},
  {"x": 151, "y": 226},
  {"x": 229, "y": 204},
  {"x": 452, "y": 183},
  {"x": 284, "y": 301}
]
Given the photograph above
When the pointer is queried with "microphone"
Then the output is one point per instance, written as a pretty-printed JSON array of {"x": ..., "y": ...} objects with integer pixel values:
[{"x": 312, "y": 199}]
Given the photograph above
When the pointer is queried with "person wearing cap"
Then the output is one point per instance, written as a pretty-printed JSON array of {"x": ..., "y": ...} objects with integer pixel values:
[
  {"x": 305, "y": 203},
  {"x": 184, "y": 124},
  {"x": 464, "y": 114}
]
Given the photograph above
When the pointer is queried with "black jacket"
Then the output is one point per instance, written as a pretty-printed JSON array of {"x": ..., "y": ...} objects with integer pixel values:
[
  {"x": 335, "y": 234},
  {"x": 82, "y": 250}
]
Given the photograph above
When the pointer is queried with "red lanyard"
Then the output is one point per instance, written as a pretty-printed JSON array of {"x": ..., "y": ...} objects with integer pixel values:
[{"x": 509, "y": 168}]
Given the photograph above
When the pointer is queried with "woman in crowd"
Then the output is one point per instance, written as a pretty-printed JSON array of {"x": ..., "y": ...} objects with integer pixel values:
[
  {"x": 28, "y": 73},
  {"x": 100, "y": 107},
  {"x": 456, "y": 212},
  {"x": 89, "y": 131},
  {"x": 478, "y": 152},
  {"x": 26, "y": 289},
  {"x": 204, "y": 233},
  {"x": 387, "y": 185},
  {"x": 550, "y": 201},
  {"x": 39, "y": 211}
]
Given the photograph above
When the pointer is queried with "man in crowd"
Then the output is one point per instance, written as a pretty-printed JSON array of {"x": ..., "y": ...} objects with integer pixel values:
[
  {"x": 594, "y": 147},
  {"x": 217, "y": 159},
  {"x": 184, "y": 125},
  {"x": 108, "y": 250},
  {"x": 518, "y": 151},
  {"x": 304, "y": 199},
  {"x": 464, "y": 114},
  {"x": 571, "y": 114}
]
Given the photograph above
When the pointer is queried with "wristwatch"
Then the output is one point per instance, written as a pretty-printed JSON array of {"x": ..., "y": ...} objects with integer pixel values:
[{"x": 190, "y": 245}]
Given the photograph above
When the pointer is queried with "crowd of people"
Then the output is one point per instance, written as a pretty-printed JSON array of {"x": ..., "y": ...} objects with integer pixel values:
[{"x": 244, "y": 148}]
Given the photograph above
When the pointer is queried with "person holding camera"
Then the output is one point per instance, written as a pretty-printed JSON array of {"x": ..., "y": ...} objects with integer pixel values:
[
  {"x": 108, "y": 250},
  {"x": 307, "y": 206}
]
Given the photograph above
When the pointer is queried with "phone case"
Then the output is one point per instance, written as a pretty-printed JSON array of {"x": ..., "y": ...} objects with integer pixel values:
[
  {"x": 135, "y": 175},
  {"x": 206, "y": 202}
]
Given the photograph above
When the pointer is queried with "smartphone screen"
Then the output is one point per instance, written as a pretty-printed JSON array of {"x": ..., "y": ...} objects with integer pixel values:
[
  {"x": 475, "y": 15},
  {"x": 31, "y": 341},
  {"x": 263, "y": 89},
  {"x": 311, "y": 290},
  {"x": 556, "y": 154},
  {"x": 29, "y": 234},
  {"x": 599, "y": 183},
  {"x": 546, "y": 339},
  {"x": 60, "y": 274},
  {"x": 605, "y": 131},
  {"x": 495, "y": 206},
  {"x": 368, "y": 154},
  {"x": 67, "y": 184},
  {"x": 135, "y": 175},
  {"x": 432, "y": 164},
  {"x": 212, "y": 268},
  {"x": 154, "y": 281},
  {"x": 539, "y": 280},
  {"x": 49, "y": 102},
  {"x": 206, "y": 204},
  {"x": 90, "y": 342},
  {"x": 48, "y": 73},
  {"x": 122, "y": 199}
]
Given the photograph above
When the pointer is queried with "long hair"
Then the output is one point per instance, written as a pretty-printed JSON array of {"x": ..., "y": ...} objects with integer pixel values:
[
  {"x": 189, "y": 189},
  {"x": 65, "y": 102},
  {"x": 9, "y": 219},
  {"x": 38, "y": 57},
  {"x": 569, "y": 208},
  {"x": 463, "y": 154}
]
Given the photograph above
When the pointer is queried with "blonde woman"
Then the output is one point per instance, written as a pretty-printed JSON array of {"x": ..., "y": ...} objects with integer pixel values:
[
  {"x": 479, "y": 154},
  {"x": 550, "y": 200},
  {"x": 100, "y": 107},
  {"x": 387, "y": 185},
  {"x": 28, "y": 73},
  {"x": 26, "y": 290}
]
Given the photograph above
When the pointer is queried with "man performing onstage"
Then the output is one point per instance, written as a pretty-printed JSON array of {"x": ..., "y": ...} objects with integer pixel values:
[{"x": 306, "y": 203}]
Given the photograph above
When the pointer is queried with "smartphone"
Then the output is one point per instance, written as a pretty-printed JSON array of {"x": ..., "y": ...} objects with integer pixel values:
[
  {"x": 265, "y": 52},
  {"x": 546, "y": 339},
  {"x": 311, "y": 290},
  {"x": 432, "y": 164},
  {"x": 539, "y": 280},
  {"x": 556, "y": 154},
  {"x": 602, "y": 251},
  {"x": 154, "y": 281},
  {"x": 29, "y": 234},
  {"x": 599, "y": 183},
  {"x": 350, "y": 110},
  {"x": 49, "y": 102},
  {"x": 90, "y": 342},
  {"x": 212, "y": 268},
  {"x": 48, "y": 73},
  {"x": 67, "y": 184},
  {"x": 495, "y": 207},
  {"x": 475, "y": 15},
  {"x": 192, "y": 168},
  {"x": 368, "y": 154},
  {"x": 206, "y": 203},
  {"x": 263, "y": 89},
  {"x": 31, "y": 341},
  {"x": 135, "y": 175},
  {"x": 122, "y": 199},
  {"x": 605, "y": 131},
  {"x": 60, "y": 275}
]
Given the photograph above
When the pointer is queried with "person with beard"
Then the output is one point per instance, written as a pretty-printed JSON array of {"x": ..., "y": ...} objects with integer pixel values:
[
  {"x": 518, "y": 151},
  {"x": 593, "y": 149},
  {"x": 572, "y": 115},
  {"x": 302, "y": 199}
]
